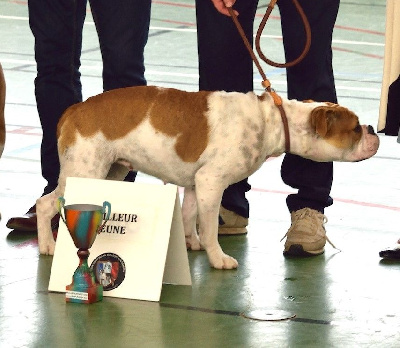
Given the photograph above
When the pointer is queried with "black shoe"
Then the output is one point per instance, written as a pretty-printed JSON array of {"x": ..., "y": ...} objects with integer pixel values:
[
  {"x": 391, "y": 253},
  {"x": 28, "y": 221}
]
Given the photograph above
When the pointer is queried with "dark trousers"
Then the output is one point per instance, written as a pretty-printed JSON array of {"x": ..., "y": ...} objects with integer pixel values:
[
  {"x": 122, "y": 27},
  {"x": 225, "y": 64}
]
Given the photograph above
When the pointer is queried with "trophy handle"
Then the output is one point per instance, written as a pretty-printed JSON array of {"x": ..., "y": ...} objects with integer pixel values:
[
  {"x": 106, "y": 206},
  {"x": 61, "y": 204}
]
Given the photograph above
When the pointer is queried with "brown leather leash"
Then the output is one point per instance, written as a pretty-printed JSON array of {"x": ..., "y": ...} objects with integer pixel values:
[
  {"x": 306, "y": 28},
  {"x": 266, "y": 83}
]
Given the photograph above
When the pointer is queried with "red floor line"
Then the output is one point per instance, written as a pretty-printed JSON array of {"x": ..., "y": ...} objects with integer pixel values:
[
  {"x": 343, "y": 200},
  {"x": 30, "y": 242},
  {"x": 19, "y": 2},
  {"x": 367, "y": 31},
  {"x": 188, "y": 24},
  {"x": 375, "y": 56},
  {"x": 24, "y": 130},
  {"x": 367, "y": 204},
  {"x": 169, "y": 3}
]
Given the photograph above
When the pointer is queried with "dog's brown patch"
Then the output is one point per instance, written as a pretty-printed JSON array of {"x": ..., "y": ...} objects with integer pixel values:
[
  {"x": 338, "y": 125},
  {"x": 188, "y": 122},
  {"x": 115, "y": 113}
]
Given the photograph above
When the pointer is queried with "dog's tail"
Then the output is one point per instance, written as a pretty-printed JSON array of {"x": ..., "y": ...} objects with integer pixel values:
[{"x": 2, "y": 104}]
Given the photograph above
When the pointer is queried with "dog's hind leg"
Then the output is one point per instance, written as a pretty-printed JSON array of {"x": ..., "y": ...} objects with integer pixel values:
[
  {"x": 46, "y": 208},
  {"x": 209, "y": 194},
  {"x": 189, "y": 214}
]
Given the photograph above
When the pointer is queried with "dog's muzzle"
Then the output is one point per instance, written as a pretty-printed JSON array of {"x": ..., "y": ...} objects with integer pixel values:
[{"x": 370, "y": 131}]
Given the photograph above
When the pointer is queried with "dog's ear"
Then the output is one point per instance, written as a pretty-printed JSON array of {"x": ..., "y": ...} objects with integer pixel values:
[{"x": 322, "y": 119}]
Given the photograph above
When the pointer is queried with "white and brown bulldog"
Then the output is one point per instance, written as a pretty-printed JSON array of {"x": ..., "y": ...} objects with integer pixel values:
[{"x": 203, "y": 141}]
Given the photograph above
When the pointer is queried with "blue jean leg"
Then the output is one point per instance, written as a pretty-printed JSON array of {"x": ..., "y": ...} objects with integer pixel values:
[
  {"x": 57, "y": 29},
  {"x": 313, "y": 79},
  {"x": 122, "y": 27}
]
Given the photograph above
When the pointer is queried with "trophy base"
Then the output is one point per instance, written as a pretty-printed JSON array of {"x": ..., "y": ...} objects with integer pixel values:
[{"x": 89, "y": 294}]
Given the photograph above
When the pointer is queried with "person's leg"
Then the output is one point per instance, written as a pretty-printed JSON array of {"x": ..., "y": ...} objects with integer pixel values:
[
  {"x": 310, "y": 79},
  {"x": 312, "y": 179},
  {"x": 57, "y": 29},
  {"x": 122, "y": 27},
  {"x": 225, "y": 64}
]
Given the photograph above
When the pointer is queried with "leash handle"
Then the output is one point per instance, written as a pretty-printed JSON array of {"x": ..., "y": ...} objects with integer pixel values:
[{"x": 262, "y": 26}]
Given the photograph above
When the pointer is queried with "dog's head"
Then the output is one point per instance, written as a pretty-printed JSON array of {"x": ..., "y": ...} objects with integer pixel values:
[{"x": 343, "y": 138}]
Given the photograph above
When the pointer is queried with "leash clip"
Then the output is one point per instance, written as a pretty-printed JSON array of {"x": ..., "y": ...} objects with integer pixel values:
[{"x": 277, "y": 99}]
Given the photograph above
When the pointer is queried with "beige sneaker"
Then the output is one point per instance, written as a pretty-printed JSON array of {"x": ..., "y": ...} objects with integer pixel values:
[
  {"x": 233, "y": 223},
  {"x": 306, "y": 236}
]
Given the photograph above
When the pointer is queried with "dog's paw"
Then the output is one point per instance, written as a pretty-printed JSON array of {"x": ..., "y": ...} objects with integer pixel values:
[
  {"x": 193, "y": 243},
  {"x": 224, "y": 262},
  {"x": 47, "y": 247}
]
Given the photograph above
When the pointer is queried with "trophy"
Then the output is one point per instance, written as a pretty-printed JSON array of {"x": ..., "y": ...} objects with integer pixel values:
[{"x": 84, "y": 222}]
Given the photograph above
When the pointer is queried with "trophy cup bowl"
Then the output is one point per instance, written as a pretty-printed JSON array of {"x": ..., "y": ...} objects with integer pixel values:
[{"x": 84, "y": 222}]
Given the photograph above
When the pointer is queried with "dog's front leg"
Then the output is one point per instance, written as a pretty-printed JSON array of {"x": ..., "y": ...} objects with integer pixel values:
[
  {"x": 46, "y": 208},
  {"x": 189, "y": 214},
  {"x": 209, "y": 197}
]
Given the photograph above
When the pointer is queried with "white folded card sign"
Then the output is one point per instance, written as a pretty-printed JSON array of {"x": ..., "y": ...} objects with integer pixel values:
[{"x": 141, "y": 246}]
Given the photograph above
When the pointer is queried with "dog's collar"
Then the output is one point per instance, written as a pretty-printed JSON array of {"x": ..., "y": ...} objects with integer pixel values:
[{"x": 278, "y": 103}]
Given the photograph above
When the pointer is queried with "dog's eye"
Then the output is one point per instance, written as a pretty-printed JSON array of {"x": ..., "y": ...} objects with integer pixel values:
[{"x": 357, "y": 129}]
